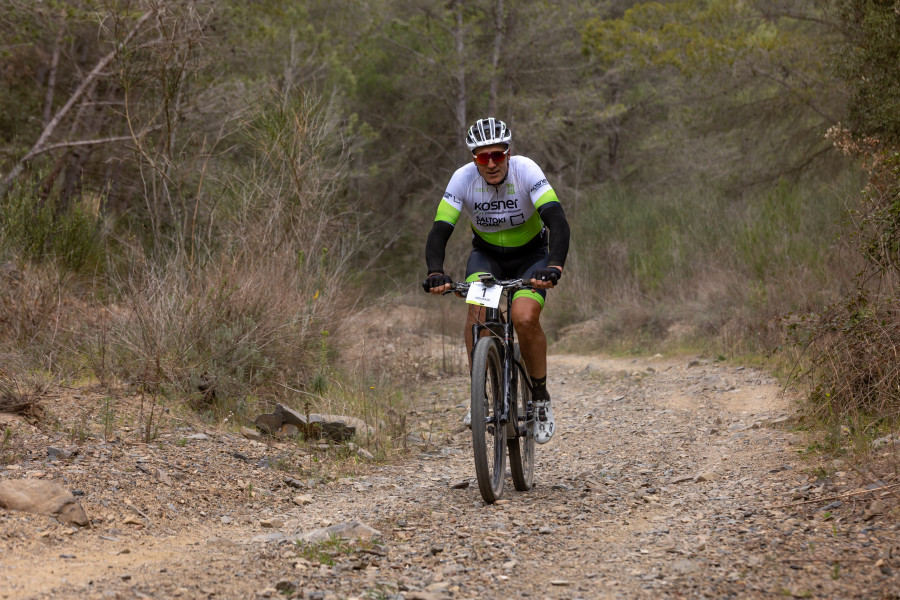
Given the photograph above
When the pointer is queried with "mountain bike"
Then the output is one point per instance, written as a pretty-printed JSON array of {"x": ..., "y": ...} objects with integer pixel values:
[{"x": 502, "y": 411}]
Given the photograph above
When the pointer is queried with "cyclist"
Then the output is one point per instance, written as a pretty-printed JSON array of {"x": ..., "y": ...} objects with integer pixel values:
[{"x": 511, "y": 207}]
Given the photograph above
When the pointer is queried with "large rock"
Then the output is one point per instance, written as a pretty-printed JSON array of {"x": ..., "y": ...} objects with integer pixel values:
[
  {"x": 269, "y": 423},
  {"x": 337, "y": 428},
  {"x": 290, "y": 416},
  {"x": 43, "y": 498},
  {"x": 337, "y": 431},
  {"x": 352, "y": 422},
  {"x": 349, "y": 531}
]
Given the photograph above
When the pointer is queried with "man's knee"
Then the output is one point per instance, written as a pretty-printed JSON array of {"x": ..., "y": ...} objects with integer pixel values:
[{"x": 527, "y": 318}]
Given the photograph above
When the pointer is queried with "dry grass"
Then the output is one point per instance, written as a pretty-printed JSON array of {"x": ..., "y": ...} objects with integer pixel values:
[
  {"x": 650, "y": 269},
  {"x": 849, "y": 351},
  {"x": 21, "y": 388},
  {"x": 850, "y": 367},
  {"x": 230, "y": 309}
]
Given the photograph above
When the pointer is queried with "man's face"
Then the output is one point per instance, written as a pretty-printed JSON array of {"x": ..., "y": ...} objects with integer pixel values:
[{"x": 493, "y": 162}]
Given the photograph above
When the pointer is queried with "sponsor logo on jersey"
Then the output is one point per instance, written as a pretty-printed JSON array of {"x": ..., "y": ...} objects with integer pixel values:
[
  {"x": 538, "y": 185},
  {"x": 450, "y": 198},
  {"x": 497, "y": 205},
  {"x": 510, "y": 189},
  {"x": 489, "y": 221}
]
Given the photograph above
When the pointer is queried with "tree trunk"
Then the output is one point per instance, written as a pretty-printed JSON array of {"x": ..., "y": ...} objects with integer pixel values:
[
  {"x": 613, "y": 140},
  {"x": 51, "y": 77},
  {"x": 495, "y": 58},
  {"x": 458, "y": 35}
]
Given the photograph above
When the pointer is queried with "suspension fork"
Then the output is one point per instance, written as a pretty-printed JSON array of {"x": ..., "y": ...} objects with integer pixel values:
[
  {"x": 507, "y": 372},
  {"x": 509, "y": 360}
]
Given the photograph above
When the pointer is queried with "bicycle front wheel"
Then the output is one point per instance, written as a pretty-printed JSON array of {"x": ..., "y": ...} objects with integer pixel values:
[
  {"x": 488, "y": 437},
  {"x": 520, "y": 430}
]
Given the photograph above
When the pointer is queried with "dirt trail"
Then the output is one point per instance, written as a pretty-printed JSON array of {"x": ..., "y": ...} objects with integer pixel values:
[{"x": 668, "y": 478}]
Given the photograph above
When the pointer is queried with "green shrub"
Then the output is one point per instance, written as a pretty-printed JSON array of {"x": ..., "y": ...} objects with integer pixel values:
[
  {"x": 720, "y": 268},
  {"x": 36, "y": 229}
]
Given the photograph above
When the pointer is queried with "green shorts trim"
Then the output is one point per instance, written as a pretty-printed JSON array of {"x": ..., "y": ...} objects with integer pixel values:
[
  {"x": 536, "y": 296},
  {"x": 529, "y": 294}
]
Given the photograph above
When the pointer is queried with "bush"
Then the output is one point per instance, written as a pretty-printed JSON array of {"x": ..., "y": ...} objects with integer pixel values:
[
  {"x": 701, "y": 267},
  {"x": 37, "y": 229},
  {"x": 850, "y": 348},
  {"x": 244, "y": 316}
]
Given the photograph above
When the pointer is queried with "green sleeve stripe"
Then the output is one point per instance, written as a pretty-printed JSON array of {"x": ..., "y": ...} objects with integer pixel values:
[
  {"x": 446, "y": 212},
  {"x": 517, "y": 236},
  {"x": 548, "y": 196}
]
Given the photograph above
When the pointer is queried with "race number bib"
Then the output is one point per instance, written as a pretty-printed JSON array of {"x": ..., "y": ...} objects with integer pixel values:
[{"x": 482, "y": 295}]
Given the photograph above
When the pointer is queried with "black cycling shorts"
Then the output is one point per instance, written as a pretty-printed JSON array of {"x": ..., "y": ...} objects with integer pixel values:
[{"x": 509, "y": 268}]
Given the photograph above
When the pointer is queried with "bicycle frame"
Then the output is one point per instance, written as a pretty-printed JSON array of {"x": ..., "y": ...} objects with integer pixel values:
[
  {"x": 504, "y": 331},
  {"x": 496, "y": 398}
]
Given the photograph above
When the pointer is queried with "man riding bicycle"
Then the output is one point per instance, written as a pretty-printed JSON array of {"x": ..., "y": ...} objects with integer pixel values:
[{"x": 511, "y": 207}]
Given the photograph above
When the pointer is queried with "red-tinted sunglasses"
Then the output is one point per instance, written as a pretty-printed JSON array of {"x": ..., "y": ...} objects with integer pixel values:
[{"x": 498, "y": 156}]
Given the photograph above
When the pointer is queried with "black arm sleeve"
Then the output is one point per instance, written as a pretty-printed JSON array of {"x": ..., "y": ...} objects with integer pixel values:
[
  {"x": 555, "y": 219},
  {"x": 437, "y": 245}
]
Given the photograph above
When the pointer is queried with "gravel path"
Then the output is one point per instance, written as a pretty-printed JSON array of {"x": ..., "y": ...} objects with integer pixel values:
[{"x": 666, "y": 479}]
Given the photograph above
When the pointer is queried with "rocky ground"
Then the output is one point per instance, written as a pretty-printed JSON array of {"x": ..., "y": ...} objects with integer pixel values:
[{"x": 668, "y": 478}]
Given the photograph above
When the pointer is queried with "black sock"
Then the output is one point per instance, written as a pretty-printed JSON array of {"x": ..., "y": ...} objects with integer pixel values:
[{"x": 539, "y": 382}]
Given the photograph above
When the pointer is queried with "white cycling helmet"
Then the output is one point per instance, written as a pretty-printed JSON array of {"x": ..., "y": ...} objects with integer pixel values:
[{"x": 487, "y": 132}]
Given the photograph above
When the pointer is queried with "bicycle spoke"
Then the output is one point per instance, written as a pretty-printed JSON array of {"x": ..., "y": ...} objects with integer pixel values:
[
  {"x": 521, "y": 439},
  {"x": 488, "y": 438}
]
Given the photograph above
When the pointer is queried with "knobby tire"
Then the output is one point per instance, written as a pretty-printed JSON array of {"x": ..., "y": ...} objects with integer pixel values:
[
  {"x": 520, "y": 429},
  {"x": 488, "y": 438}
]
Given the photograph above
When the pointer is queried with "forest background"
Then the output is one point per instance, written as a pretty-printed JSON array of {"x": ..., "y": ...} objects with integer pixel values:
[{"x": 195, "y": 195}]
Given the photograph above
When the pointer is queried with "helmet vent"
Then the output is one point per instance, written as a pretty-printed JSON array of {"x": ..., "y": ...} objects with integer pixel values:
[{"x": 488, "y": 132}]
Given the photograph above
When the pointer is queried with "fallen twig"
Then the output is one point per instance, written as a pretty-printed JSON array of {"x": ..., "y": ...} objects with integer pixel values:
[
  {"x": 838, "y": 497},
  {"x": 829, "y": 560},
  {"x": 866, "y": 476}
]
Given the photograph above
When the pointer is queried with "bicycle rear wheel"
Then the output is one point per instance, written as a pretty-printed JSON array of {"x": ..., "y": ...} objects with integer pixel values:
[
  {"x": 520, "y": 432},
  {"x": 488, "y": 437}
]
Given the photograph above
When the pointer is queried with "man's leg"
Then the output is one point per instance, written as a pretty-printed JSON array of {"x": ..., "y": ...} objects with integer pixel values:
[
  {"x": 477, "y": 264},
  {"x": 526, "y": 314},
  {"x": 476, "y": 315}
]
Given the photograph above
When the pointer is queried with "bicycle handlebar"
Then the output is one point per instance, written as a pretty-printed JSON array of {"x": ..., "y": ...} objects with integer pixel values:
[
  {"x": 460, "y": 287},
  {"x": 506, "y": 284}
]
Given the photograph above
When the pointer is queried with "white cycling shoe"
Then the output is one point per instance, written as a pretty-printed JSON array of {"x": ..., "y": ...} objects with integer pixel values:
[
  {"x": 544, "y": 424},
  {"x": 467, "y": 420}
]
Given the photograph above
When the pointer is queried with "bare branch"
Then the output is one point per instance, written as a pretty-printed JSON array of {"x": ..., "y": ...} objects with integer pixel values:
[
  {"x": 780, "y": 81},
  {"x": 786, "y": 14},
  {"x": 106, "y": 140},
  {"x": 51, "y": 77},
  {"x": 39, "y": 147}
]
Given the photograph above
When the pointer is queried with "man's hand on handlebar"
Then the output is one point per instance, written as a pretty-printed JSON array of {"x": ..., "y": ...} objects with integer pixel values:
[
  {"x": 544, "y": 279},
  {"x": 437, "y": 283}
]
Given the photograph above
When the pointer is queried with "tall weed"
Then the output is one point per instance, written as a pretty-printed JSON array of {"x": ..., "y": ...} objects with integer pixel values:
[
  {"x": 227, "y": 324},
  {"x": 700, "y": 268},
  {"x": 849, "y": 348},
  {"x": 34, "y": 228}
]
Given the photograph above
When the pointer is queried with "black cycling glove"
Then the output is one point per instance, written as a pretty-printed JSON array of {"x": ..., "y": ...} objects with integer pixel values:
[
  {"x": 547, "y": 274},
  {"x": 435, "y": 280}
]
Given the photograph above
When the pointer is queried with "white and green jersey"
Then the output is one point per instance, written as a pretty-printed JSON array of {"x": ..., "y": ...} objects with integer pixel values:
[{"x": 503, "y": 217}]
